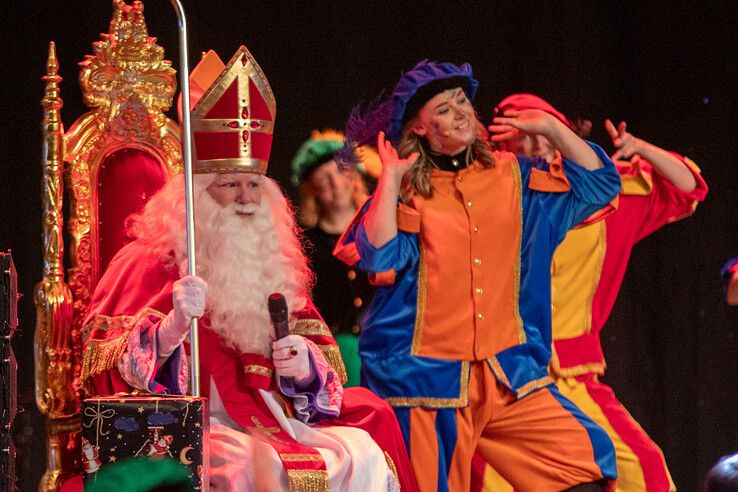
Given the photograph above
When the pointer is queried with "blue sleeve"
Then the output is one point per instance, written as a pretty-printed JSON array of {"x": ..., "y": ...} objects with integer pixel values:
[
  {"x": 398, "y": 253},
  {"x": 590, "y": 191}
]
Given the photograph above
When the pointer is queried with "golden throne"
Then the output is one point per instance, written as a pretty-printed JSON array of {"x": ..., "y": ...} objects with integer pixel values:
[{"x": 112, "y": 159}]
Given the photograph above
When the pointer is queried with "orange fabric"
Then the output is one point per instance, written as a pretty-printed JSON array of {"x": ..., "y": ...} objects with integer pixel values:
[
  {"x": 382, "y": 278},
  {"x": 408, "y": 220},
  {"x": 424, "y": 447},
  {"x": 554, "y": 180},
  {"x": 534, "y": 442},
  {"x": 470, "y": 244}
]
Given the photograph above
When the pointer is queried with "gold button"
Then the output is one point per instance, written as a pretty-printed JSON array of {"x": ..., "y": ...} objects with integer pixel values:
[
  {"x": 355, "y": 329},
  {"x": 351, "y": 274},
  {"x": 458, "y": 178},
  {"x": 480, "y": 316},
  {"x": 478, "y": 290},
  {"x": 358, "y": 302},
  {"x": 476, "y": 229},
  {"x": 477, "y": 261},
  {"x": 468, "y": 204}
]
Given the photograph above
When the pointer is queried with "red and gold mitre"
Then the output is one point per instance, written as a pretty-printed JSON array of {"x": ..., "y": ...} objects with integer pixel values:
[{"x": 233, "y": 111}]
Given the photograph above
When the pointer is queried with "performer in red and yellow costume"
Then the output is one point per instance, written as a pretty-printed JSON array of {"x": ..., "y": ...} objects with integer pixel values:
[
  {"x": 458, "y": 335},
  {"x": 266, "y": 432},
  {"x": 587, "y": 270}
]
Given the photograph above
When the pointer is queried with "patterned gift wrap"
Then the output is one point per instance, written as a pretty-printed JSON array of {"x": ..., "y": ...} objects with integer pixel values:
[{"x": 114, "y": 428}]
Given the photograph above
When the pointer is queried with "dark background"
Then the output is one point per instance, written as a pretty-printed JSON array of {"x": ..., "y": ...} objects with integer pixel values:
[{"x": 669, "y": 70}]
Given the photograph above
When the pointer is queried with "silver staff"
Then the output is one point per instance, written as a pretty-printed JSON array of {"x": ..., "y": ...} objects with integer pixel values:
[{"x": 184, "y": 83}]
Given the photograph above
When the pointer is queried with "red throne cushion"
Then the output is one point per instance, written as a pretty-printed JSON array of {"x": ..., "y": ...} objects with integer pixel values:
[{"x": 126, "y": 179}]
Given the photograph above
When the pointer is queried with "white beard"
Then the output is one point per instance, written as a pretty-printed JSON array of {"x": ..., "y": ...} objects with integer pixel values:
[{"x": 244, "y": 260}]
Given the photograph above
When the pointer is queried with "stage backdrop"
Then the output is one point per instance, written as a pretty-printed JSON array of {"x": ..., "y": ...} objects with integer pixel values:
[{"x": 669, "y": 70}]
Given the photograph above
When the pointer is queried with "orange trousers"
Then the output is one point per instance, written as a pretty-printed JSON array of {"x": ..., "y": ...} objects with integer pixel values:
[{"x": 541, "y": 442}]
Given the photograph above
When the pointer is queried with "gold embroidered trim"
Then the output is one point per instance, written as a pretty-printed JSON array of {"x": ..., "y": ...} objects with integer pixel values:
[
  {"x": 300, "y": 457},
  {"x": 421, "y": 401},
  {"x": 305, "y": 327},
  {"x": 258, "y": 370},
  {"x": 102, "y": 355},
  {"x": 333, "y": 355},
  {"x": 105, "y": 323},
  {"x": 578, "y": 370},
  {"x": 496, "y": 367},
  {"x": 391, "y": 465},
  {"x": 308, "y": 480},
  {"x": 534, "y": 385},
  {"x": 420, "y": 305},
  {"x": 522, "y": 338}
]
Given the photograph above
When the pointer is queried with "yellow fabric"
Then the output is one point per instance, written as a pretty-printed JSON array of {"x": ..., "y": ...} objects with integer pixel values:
[
  {"x": 630, "y": 471},
  {"x": 575, "y": 274}
]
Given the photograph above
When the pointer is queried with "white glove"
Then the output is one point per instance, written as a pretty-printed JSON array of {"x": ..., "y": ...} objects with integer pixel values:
[
  {"x": 291, "y": 358},
  {"x": 188, "y": 299}
]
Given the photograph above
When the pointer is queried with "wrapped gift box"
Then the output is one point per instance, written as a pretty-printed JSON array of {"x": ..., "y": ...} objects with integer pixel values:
[{"x": 114, "y": 428}]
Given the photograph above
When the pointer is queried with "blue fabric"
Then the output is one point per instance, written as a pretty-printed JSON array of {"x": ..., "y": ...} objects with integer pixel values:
[
  {"x": 166, "y": 377},
  {"x": 388, "y": 368},
  {"x": 422, "y": 74},
  {"x": 403, "y": 418},
  {"x": 447, "y": 435},
  {"x": 604, "y": 450}
]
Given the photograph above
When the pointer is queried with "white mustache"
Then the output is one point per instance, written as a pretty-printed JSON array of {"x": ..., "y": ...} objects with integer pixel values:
[{"x": 245, "y": 208}]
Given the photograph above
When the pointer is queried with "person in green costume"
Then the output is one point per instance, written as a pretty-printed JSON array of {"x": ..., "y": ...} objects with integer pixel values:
[{"x": 328, "y": 199}]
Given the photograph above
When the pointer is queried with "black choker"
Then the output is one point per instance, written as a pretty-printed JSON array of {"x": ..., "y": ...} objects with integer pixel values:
[{"x": 450, "y": 162}]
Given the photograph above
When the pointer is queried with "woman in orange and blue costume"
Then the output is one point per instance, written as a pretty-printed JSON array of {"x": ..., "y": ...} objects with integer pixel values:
[
  {"x": 459, "y": 240},
  {"x": 587, "y": 270}
]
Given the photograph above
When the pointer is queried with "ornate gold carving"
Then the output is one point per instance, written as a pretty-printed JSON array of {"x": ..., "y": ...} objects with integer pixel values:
[
  {"x": 128, "y": 85},
  {"x": 55, "y": 392}
]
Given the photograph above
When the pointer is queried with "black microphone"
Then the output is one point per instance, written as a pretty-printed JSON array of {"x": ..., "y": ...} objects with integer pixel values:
[{"x": 278, "y": 315}]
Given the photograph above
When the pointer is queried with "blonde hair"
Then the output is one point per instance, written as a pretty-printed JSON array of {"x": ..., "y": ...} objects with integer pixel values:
[
  {"x": 310, "y": 211},
  {"x": 417, "y": 179}
]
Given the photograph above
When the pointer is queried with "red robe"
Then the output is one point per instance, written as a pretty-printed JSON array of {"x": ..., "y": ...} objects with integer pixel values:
[{"x": 135, "y": 293}]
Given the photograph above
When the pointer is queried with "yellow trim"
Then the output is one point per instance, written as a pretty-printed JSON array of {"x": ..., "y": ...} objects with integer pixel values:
[
  {"x": 523, "y": 390},
  {"x": 391, "y": 464},
  {"x": 496, "y": 367},
  {"x": 332, "y": 354},
  {"x": 300, "y": 457},
  {"x": 102, "y": 355},
  {"x": 522, "y": 338},
  {"x": 258, "y": 370},
  {"x": 308, "y": 480},
  {"x": 640, "y": 184},
  {"x": 315, "y": 327},
  {"x": 420, "y": 306},
  {"x": 421, "y": 401},
  {"x": 534, "y": 385},
  {"x": 580, "y": 369}
]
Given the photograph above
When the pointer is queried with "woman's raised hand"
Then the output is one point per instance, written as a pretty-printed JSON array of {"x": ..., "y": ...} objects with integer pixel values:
[
  {"x": 391, "y": 162},
  {"x": 626, "y": 144},
  {"x": 513, "y": 122}
]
